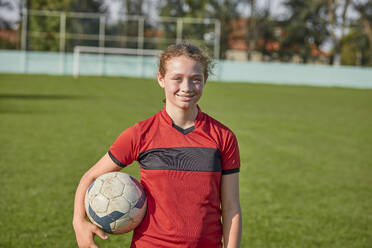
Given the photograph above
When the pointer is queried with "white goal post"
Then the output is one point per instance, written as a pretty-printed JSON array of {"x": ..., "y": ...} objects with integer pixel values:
[{"x": 110, "y": 50}]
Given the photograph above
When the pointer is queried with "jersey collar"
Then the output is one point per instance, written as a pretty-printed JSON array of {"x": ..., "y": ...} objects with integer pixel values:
[{"x": 169, "y": 121}]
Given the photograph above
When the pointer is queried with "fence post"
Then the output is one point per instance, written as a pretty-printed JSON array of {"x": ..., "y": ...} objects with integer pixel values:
[
  {"x": 217, "y": 33},
  {"x": 76, "y": 63},
  {"x": 141, "y": 27},
  {"x": 62, "y": 42},
  {"x": 179, "y": 30},
  {"x": 102, "y": 24},
  {"x": 23, "y": 41}
]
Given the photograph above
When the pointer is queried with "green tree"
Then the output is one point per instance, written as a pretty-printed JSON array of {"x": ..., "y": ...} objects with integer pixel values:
[
  {"x": 262, "y": 31},
  {"x": 95, "y": 6},
  {"x": 45, "y": 29},
  {"x": 337, "y": 21},
  {"x": 363, "y": 26},
  {"x": 350, "y": 48},
  {"x": 184, "y": 8},
  {"x": 268, "y": 40},
  {"x": 225, "y": 11},
  {"x": 89, "y": 26},
  {"x": 181, "y": 9},
  {"x": 304, "y": 29},
  {"x": 129, "y": 28},
  {"x": 252, "y": 28}
]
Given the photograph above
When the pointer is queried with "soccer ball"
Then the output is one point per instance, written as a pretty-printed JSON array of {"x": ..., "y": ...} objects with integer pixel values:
[{"x": 116, "y": 202}]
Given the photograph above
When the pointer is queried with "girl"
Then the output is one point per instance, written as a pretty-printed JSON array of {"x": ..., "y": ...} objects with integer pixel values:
[{"x": 189, "y": 165}]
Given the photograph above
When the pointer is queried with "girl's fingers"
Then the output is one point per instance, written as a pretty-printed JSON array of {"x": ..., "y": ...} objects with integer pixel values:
[{"x": 100, "y": 233}]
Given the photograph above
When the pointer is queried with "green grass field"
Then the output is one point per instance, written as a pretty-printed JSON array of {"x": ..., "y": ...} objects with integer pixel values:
[{"x": 305, "y": 180}]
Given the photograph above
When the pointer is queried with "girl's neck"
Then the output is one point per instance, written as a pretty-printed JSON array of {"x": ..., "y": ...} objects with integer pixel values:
[{"x": 184, "y": 118}]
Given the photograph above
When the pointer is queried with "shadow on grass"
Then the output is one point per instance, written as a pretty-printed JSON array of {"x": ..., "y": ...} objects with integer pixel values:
[
  {"x": 42, "y": 97},
  {"x": 13, "y": 111},
  {"x": 8, "y": 100}
]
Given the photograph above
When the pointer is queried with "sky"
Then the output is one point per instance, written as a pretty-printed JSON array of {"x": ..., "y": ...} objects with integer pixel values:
[{"x": 12, "y": 13}]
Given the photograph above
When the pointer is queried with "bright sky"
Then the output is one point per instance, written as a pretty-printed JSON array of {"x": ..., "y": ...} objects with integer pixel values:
[
  {"x": 276, "y": 7},
  {"x": 11, "y": 15}
]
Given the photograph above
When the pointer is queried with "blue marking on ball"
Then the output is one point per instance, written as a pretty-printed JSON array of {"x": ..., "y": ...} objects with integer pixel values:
[
  {"x": 142, "y": 200},
  {"x": 105, "y": 221},
  {"x": 90, "y": 186}
]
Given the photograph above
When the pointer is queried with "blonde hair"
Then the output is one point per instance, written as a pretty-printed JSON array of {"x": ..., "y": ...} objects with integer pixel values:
[{"x": 187, "y": 50}]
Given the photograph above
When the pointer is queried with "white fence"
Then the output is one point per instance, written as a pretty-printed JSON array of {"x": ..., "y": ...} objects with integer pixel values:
[
  {"x": 229, "y": 71},
  {"x": 151, "y": 32}
]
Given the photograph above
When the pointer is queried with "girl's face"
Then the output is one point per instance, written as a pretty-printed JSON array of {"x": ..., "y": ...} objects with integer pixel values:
[{"x": 183, "y": 82}]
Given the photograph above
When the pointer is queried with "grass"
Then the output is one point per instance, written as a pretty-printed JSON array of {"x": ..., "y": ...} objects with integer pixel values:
[{"x": 306, "y": 154}]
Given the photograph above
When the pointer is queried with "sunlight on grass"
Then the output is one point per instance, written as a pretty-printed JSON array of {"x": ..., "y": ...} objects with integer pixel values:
[{"x": 306, "y": 156}]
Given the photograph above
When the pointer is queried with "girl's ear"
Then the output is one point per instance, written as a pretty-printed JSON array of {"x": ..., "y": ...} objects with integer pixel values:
[{"x": 161, "y": 80}]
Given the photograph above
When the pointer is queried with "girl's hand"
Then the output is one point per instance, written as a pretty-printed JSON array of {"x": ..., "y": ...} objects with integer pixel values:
[{"x": 85, "y": 231}]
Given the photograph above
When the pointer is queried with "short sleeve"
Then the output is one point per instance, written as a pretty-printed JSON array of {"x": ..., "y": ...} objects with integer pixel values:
[
  {"x": 230, "y": 157},
  {"x": 125, "y": 148}
]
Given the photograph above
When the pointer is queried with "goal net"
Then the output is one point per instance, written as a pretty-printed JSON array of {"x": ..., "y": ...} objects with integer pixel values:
[{"x": 115, "y": 61}]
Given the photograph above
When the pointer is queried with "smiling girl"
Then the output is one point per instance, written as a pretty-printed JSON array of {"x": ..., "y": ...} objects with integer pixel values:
[{"x": 189, "y": 165}]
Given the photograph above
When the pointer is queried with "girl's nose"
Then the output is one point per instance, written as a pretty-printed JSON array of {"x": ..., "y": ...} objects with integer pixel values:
[{"x": 186, "y": 85}]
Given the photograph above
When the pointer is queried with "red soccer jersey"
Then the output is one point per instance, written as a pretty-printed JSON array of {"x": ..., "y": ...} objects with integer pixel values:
[{"x": 181, "y": 172}]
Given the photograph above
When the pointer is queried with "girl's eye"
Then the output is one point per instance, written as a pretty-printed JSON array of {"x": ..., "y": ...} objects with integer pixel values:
[
  {"x": 177, "y": 78},
  {"x": 197, "y": 80}
]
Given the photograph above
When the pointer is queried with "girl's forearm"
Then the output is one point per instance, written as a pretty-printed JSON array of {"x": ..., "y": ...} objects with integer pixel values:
[
  {"x": 104, "y": 165},
  {"x": 232, "y": 228},
  {"x": 79, "y": 211}
]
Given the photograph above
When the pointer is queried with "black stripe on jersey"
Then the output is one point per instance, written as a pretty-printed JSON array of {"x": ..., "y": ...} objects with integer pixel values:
[
  {"x": 226, "y": 172},
  {"x": 115, "y": 160},
  {"x": 182, "y": 159}
]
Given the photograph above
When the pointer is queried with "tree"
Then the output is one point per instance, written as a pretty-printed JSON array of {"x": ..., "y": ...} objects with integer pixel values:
[
  {"x": 365, "y": 10},
  {"x": 267, "y": 37},
  {"x": 181, "y": 9},
  {"x": 356, "y": 45},
  {"x": 46, "y": 28},
  {"x": 337, "y": 22},
  {"x": 225, "y": 11},
  {"x": 350, "y": 48},
  {"x": 84, "y": 25},
  {"x": 305, "y": 29},
  {"x": 94, "y": 6},
  {"x": 252, "y": 30},
  {"x": 261, "y": 31},
  {"x": 43, "y": 30}
]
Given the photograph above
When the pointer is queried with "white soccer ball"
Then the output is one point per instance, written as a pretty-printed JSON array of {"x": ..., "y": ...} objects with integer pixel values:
[{"x": 116, "y": 202}]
